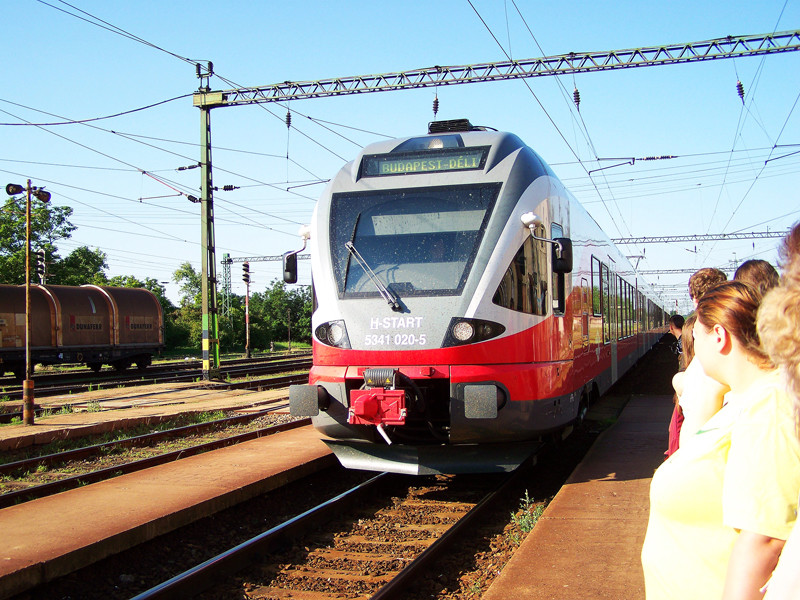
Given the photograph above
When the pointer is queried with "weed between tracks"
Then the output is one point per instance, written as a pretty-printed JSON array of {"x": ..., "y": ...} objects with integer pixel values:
[
  {"x": 111, "y": 436},
  {"x": 111, "y": 457}
]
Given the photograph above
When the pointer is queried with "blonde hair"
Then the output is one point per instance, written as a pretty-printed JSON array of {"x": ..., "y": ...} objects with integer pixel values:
[
  {"x": 779, "y": 318},
  {"x": 790, "y": 256},
  {"x": 779, "y": 331}
]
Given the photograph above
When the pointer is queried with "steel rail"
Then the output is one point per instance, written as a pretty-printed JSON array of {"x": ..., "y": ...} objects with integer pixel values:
[
  {"x": 47, "y": 489},
  {"x": 139, "y": 440},
  {"x": 268, "y": 383},
  {"x": 137, "y": 380},
  {"x": 399, "y": 584},
  {"x": 206, "y": 574}
]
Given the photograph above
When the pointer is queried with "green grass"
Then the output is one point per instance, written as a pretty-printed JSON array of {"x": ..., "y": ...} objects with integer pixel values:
[
  {"x": 528, "y": 514},
  {"x": 111, "y": 436}
]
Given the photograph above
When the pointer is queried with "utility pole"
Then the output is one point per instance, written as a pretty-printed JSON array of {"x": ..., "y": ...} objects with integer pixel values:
[
  {"x": 205, "y": 100},
  {"x": 246, "y": 279}
]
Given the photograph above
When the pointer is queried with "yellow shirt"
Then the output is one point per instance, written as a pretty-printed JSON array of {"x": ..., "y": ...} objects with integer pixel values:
[{"x": 740, "y": 471}]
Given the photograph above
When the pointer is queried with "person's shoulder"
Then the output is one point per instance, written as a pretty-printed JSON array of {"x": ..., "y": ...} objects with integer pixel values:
[{"x": 769, "y": 396}]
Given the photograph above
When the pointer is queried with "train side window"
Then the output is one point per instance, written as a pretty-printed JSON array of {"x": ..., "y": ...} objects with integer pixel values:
[
  {"x": 524, "y": 284},
  {"x": 559, "y": 279},
  {"x": 596, "y": 310},
  {"x": 606, "y": 294}
]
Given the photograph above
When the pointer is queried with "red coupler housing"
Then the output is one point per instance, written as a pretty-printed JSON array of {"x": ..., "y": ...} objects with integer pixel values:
[{"x": 377, "y": 406}]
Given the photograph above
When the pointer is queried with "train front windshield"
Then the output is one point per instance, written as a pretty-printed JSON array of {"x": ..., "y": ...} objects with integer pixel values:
[{"x": 417, "y": 241}]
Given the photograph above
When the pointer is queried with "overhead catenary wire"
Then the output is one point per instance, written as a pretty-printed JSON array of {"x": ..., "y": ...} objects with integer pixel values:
[
  {"x": 550, "y": 118},
  {"x": 93, "y": 119},
  {"x": 98, "y": 22}
]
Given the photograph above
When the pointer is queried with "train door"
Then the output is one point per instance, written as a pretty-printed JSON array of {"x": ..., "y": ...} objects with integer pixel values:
[
  {"x": 610, "y": 311},
  {"x": 584, "y": 314},
  {"x": 562, "y": 322}
]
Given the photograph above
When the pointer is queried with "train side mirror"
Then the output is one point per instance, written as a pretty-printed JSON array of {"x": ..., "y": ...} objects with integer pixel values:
[
  {"x": 290, "y": 258},
  {"x": 562, "y": 255},
  {"x": 290, "y": 267}
]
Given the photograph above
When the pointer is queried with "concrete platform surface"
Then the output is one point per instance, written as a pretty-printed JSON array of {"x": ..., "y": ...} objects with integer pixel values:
[
  {"x": 587, "y": 543},
  {"x": 50, "y": 537},
  {"x": 122, "y": 408}
]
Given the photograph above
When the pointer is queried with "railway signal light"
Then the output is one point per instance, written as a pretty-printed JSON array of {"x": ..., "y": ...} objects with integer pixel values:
[
  {"x": 41, "y": 265},
  {"x": 246, "y": 272}
]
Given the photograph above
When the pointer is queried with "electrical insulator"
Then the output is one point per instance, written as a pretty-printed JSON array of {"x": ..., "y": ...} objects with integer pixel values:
[
  {"x": 576, "y": 97},
  {"x": 435, "y": 106},
  {"x": 740, "y": 90},
  {"x": 246, "y": 272},
  {"x": 288, "y": 119}
]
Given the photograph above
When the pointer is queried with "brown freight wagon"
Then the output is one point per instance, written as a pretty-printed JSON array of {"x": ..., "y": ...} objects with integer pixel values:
[{"x": 90, "y": 324}]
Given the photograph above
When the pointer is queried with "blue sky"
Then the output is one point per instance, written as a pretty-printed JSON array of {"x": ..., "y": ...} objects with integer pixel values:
[{"x": 59, "y": 64}]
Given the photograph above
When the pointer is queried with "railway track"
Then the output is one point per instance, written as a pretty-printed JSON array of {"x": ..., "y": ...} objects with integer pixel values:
[
  {"x": 48, "y": 384},
  {"x": 371, "y": 541},
  {"x": 257, "y": 378},
  {"x": 88, "y": 453}
]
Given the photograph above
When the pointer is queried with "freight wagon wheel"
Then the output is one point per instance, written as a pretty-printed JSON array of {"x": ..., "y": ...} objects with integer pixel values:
[
  {"x": 121, "y": 365},
  {"x": 142, "y": 362},
  {"x": 95, "y": 366}
]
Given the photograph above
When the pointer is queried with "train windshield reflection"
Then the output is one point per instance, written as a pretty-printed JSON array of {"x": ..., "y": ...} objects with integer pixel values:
[{"x": 419, "y": 242}]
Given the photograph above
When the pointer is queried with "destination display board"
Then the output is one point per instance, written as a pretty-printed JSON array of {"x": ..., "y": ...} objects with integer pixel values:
[{"x": 425, "y": 161}]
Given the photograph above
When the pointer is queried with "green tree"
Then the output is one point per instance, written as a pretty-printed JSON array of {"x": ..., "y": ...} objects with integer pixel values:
[
  {"x": 188, "y": 317},
  {"x": 271, "y": 311},
  {"x": 190, "y": 282},
  {"x": 81, "y": 266},
  {"x": 49, "y": 224}
]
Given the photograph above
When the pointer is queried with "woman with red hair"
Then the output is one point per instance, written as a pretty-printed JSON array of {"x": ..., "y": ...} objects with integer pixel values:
[{"x": 722, "y": 507}]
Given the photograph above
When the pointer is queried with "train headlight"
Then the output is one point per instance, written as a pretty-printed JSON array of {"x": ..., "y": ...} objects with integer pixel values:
[
  {"x": 463, "y": 331},
  {"x": 336, "y": 333},
  {"x": 333, "y": 333},
  {"x": 470, "y": 331}
]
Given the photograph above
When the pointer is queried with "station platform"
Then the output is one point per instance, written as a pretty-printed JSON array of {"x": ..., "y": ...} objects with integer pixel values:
[
  {"x": 101, "y": 411},
  {"x": 588, "y": 541},
  {"x": 50, "y": 537}
]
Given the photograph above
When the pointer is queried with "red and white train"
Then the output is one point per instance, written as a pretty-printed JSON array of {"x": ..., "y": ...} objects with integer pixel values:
[{"x": 466, "y": 305}]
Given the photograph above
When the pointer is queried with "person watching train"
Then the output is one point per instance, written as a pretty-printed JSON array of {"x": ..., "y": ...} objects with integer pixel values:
[
  {"x": 779, "y": 330},
  {"x": 702, "y": 396},
  {"x": 758, "y": 273},
  {"x": 722, "y": 507},
  {"x": 703, "y": 280},
  {"x": 676, "y": 329},
  {"x": 678, "y": 383}
]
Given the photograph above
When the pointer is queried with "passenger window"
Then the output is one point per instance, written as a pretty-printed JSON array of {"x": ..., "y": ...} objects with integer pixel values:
[{"x": 524, "y": 285}]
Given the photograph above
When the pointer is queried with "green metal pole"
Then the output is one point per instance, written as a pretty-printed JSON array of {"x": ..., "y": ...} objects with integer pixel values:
[{"x": 208, "y": 275}]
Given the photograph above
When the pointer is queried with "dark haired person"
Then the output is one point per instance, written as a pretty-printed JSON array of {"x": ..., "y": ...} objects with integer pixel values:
[{"x": 676, "y": 329}]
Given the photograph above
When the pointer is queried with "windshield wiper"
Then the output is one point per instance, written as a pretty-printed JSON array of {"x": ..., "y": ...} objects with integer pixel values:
[{"x": 393, "y": 300}]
